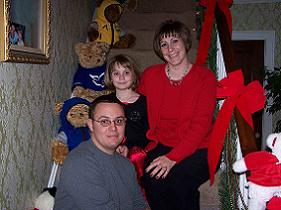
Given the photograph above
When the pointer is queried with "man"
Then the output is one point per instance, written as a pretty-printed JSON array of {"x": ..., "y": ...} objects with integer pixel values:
[{"x": 94, "y": 176}]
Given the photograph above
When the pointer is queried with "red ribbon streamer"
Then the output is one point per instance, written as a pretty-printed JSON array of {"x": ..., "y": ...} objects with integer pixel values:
[
  {"x": 137, "y": 156},
  {"x": 248, "y": 99},
  {"x": 205, "y": 37}
]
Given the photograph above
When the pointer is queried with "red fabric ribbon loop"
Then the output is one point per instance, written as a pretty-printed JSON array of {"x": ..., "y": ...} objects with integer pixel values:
[
  {"x": 207, "y": 26},
  {"x": 248, "y": 99}
]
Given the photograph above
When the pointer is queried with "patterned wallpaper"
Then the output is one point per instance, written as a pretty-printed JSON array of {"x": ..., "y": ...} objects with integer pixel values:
[
  {"x": 260, "y": 17},
  {"x": 28, "y": 93}
]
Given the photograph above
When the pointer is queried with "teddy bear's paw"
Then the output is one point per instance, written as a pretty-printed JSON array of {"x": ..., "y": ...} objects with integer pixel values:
[
  {"x": 89, "y": 94},
  {"x": 58, "y": 107},
  {"x": 93, "y": 34},
  {"x": 59, "y": 151},
  {"x": 130, "y": 5},
  {"x": 239, "y": 166},
  {"x": 126, "y": 41}
]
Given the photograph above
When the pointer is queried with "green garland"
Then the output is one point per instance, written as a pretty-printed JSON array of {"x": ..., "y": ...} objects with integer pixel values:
[{"x": 229, "y": 191}]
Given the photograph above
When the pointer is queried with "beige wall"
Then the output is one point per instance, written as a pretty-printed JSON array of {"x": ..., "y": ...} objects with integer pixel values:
[
  {"x": 28, "y": 93},
  {"x": 260, "y": 17}
]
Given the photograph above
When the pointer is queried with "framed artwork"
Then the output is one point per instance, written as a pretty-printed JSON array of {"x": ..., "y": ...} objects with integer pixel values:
[{"x": 25, "y": 31}]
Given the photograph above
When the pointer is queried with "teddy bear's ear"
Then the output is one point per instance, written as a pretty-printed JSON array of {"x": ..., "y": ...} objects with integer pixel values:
[
  {"x": 78, "y": 48},
  {"x": 98, "y": 3},
  {"x": 58, "y": 107}
]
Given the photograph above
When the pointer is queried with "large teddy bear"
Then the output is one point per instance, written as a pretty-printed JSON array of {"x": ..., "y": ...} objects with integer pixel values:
[
  {"x": 92, "y": 65},
  {"x": 73, "y": 130},
  {"x": 88, "y": 81},
  {"x": 265, "y": 173},
  {"x": 105, "y": 25}
]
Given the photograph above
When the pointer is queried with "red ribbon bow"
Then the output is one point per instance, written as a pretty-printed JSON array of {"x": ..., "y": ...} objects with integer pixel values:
[
  {"x": 205, "y": 37},
  {"x": 248, "y": 99}
]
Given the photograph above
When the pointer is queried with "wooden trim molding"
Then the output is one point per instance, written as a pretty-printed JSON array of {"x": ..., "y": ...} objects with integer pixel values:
[
  {"x": 269, "y": 55},
  {"x": 255, "y": 1}
]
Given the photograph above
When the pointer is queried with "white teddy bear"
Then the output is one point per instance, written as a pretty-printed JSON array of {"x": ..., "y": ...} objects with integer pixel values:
[{"x": 265, "y": 173}]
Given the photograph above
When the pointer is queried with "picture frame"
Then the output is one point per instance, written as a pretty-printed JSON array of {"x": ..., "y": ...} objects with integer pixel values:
[{"x": 25, "y": 31}]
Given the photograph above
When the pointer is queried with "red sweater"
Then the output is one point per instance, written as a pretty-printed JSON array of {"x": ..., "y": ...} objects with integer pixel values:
[{"x": 179, "y": 117}]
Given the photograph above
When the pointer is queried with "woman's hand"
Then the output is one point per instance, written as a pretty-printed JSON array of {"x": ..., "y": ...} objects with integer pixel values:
[
  {"x": 160, "y": 167},
  {"x": 122, "y": 150}
]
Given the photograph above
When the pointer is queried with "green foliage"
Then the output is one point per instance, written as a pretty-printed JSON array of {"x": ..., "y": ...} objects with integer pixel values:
[
  {"x": 199, "y": 20},
  {"x": 229, "y": 183},
  {"x": 273, "y": 88},
  {"x": 212, "y": 54}
]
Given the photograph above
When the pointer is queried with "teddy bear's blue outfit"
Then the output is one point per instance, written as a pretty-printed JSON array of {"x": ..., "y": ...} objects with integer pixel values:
[
  {"x": 72, "y": 136},
  {"x": 91, "y": 78}
]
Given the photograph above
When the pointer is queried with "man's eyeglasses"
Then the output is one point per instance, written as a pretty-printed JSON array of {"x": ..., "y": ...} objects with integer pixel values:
[{"x": 106, "y": 122}]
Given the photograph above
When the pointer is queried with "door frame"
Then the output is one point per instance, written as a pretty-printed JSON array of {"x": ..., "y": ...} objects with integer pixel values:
[
  {"x": 255, "y": 1},
  {"x": 269, "y": 39}
]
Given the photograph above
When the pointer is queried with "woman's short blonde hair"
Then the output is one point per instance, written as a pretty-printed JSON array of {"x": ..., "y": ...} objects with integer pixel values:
[
  {"x": 125, "y": 61},
  {"x": 171, "y": 28}
]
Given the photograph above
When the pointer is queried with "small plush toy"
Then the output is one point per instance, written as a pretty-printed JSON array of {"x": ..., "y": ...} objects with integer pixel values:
[
  {"x": 90, "y": 72},
  {"x": 74, "y": 130},
  {"x": 106, "y": 23},
  {"x": 46, "y": 200},
  {"x": 265, "y": 173}
]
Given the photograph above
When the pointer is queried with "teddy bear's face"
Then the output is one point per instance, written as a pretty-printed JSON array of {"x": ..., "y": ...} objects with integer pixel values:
[
  {"x": 113, "y": 13},
  {"x": 92, "y": 54},
  {"x": 78, "y": 115}
]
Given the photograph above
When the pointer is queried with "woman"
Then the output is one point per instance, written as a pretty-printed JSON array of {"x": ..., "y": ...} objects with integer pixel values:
[{"x": 181, "y": 99}]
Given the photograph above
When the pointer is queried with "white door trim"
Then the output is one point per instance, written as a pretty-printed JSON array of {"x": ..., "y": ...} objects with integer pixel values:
[{"x": 269, "y": 40}]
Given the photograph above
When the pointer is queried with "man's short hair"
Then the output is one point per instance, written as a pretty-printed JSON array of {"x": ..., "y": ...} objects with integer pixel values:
[{"x": 103, "y": 99}]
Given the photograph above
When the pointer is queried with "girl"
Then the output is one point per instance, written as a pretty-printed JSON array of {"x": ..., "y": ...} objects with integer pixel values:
[{"x": 122, "y": 76}]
